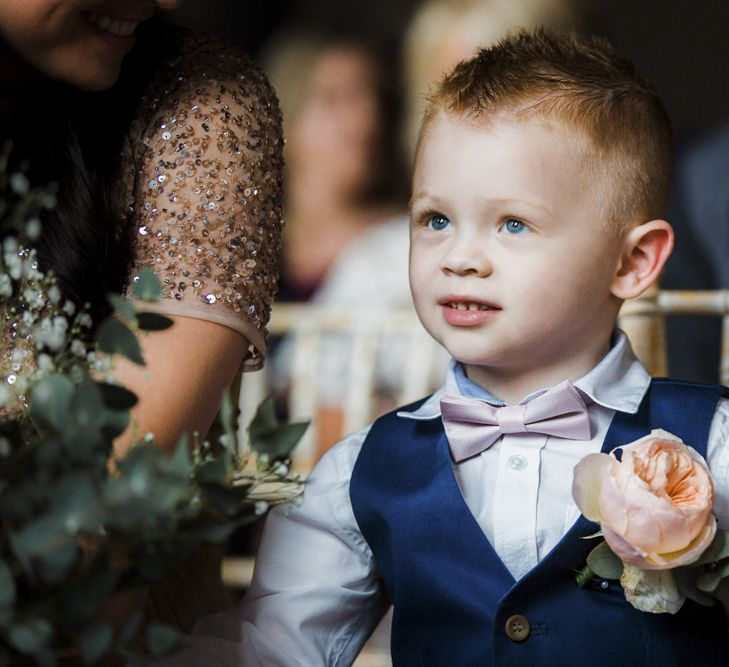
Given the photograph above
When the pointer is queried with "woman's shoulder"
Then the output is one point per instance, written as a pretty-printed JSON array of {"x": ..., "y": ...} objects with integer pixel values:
[
  {"x": 205, "y": 176},
  {"x": 204, "y": 74}
]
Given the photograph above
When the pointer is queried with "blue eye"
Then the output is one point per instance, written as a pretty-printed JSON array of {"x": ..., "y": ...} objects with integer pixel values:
[
  {"x": 438, "y": 222},
  {"x": 513, "y": 226}
]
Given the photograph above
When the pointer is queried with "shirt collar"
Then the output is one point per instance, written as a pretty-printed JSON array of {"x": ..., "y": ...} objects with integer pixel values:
[{"x": 618, "y": 382}]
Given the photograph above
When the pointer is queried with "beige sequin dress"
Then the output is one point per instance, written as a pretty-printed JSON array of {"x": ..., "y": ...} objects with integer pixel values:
[{"x": 202, "y": 177}]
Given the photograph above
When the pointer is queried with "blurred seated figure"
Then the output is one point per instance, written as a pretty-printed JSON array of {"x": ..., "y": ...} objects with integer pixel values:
[
  {"x": 699, "y": 213},
  {"x": 339, "y": 179}
]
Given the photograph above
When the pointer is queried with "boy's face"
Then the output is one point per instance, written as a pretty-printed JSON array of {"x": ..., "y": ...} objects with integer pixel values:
[{"x": 510, "y": 263}]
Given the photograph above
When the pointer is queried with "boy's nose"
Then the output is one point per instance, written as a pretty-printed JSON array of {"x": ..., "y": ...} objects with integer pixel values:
[{"x": 466, "y": 256}]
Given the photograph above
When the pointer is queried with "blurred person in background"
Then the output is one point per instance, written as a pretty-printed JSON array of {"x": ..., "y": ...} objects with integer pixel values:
[{"x": 339, "y": 178}]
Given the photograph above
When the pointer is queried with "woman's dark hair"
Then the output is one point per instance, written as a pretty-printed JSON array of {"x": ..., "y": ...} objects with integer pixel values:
[{"x": 76, "y": 138}]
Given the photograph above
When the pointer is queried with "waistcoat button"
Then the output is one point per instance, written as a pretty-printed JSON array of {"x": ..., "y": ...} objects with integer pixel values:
[{"x": 517, "y": 628}]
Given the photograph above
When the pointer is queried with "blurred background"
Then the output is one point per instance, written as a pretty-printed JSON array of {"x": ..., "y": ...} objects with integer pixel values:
[{"x": 681, "y": 46}]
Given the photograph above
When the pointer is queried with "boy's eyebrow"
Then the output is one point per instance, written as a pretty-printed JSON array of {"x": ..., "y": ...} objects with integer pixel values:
[{"x": 435, "y": 202}]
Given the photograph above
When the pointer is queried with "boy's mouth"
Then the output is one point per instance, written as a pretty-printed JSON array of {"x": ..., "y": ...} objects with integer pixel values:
[
  {"x": 467, "y": 303},
  {"x": 462, "y": 311},
  {"x": 469, "y": 306}
]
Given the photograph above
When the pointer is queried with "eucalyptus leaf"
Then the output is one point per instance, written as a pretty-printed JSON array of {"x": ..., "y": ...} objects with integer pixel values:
[
  {"x": 45, "y": 542},
  {"x": 709, "y": 581},
  {"x": 146, "y": 286},
  {"x": 31, "y": 636},
  {"x": 87, "y": 405},
  {"x": 114, "y": 337},
  {"x": 50, "y": 401},
  {"x": 131, "y": 626},
  {"x": 265, "y": 417},
  {"x": 179, "y": 462},
  {"x": 278, "y": 442},
  {"x": 153, "y": 321},
  {"x": 717, "y": 550},
  {"x": 122, "y": 306},
  {"x": 162, "y": 639},
  {"x": 685, "y": 578},
  {"x": 604, "y": 563},
  {"x": 79, "y": 599},
  {"x": 115, "y": 423},
  {"x": 75, "y": 503},
  {"x": 226, "y": 499},
  {"x": 94, "y": 641},
  {"x": 117, "y": 397},
  {"x": 8, "y": 590},
  {"x": 214, "y": 471}
]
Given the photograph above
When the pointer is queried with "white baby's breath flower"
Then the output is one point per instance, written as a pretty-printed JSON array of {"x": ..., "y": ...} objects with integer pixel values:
[
  {"x": 78, "y": 348},
  {"x": 15, "y": 266},
  {"x": 69, "y": 307},
  {"x": 19, "y": 184},
  {"x": 28, "y": 318},
  {"x": 50, "y": 334},
  {"x": 261, "y": 507},
  {"x": 10, "y": 246},
  {"x": 54, "y": 294},
  {"x": 18, "y": 355},
  {"x": 85, "y": 320},
  {"x": 33, "y": 228},
  {"x": 34, "y": 298},
  {"x": 45, "y": 363},
  {"x": 6, "y": 286}
]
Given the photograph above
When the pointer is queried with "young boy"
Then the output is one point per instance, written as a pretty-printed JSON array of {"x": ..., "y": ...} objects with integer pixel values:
[{"x": 541, "y": 176}]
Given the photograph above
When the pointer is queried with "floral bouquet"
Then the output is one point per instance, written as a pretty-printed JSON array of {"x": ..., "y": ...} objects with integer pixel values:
[
  {"x": 79, "y": 528},
  {"x": 653, "y": 499}
]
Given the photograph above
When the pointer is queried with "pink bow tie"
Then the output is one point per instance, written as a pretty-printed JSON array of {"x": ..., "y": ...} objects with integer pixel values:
[{"x": 473, "y": 425}]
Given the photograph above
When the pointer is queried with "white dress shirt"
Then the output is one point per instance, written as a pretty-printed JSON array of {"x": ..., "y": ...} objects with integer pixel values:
[{"x": 316, "y": 594}]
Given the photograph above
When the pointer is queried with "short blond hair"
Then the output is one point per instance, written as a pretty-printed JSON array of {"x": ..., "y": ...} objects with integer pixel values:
[{"x": 588, "y": 88}]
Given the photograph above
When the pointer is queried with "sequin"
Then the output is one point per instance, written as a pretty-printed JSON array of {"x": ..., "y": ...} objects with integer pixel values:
[{"x": 206, "y": 161}]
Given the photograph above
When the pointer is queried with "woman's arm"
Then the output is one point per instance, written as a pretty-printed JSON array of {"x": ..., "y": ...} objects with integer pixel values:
[{"x": 188, "y": 367}]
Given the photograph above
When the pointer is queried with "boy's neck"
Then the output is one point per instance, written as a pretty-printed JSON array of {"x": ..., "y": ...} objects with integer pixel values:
[{"x": 512, "y": 385}]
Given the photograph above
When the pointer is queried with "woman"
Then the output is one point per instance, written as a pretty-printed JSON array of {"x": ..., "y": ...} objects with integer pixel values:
[
  {"x": 175, "y": 165},
  {"x": 167, "y": 150}
]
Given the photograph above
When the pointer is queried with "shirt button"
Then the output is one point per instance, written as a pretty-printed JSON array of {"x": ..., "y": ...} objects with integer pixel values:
[
  {"x": 517, "y": 628},
  {"x": 517, "y": 462}
]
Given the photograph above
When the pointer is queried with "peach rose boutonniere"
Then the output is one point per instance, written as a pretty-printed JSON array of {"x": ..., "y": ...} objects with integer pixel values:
[{"x": 653, "y": 499}]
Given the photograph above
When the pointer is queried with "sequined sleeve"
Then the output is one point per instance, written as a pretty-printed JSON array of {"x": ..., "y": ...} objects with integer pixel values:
[{"x": 207, "y": 189}]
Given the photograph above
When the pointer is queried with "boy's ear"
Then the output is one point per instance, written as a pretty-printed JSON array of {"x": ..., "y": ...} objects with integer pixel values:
[{"x": 645, "y": 251}]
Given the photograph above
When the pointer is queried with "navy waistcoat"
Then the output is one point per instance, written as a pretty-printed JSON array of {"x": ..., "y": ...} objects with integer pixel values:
[{"x": 451, "y": 593}]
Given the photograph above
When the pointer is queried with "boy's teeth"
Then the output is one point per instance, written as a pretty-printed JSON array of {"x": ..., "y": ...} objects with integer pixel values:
[{"x": 469, "y": 306}]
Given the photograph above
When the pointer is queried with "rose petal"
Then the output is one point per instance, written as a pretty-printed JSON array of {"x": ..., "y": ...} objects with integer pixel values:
[
  {"x": 685, "y": 556},
  {"x": 587, "y": 483},
  {"x": 654, "y": 592}
]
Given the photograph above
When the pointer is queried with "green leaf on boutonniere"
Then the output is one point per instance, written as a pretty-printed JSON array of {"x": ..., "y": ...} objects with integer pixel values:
[
  {"x": 708, "y": 581},
  {"x": 686, "y": 581},
  {"x": 717, "y": 550},
  {"x": 604, "y": 563}
]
